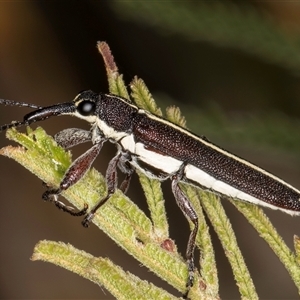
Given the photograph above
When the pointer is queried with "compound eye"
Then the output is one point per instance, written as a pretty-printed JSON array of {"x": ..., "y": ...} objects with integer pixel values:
[{"x": 86, "y": 107}]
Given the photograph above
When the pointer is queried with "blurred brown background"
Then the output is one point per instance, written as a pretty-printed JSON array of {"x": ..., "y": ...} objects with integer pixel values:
[{"x": 234, "y": 69}]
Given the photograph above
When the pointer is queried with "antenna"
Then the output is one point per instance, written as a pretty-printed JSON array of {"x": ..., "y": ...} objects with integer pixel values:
[
  {"x": 16, "y": 103},
  {"x": 20, "y": 104},
  {"x": 13, "y": 124}
]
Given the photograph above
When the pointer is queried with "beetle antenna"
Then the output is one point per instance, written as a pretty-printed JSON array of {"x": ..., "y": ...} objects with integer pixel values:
[
  {"x": 13, "y": 124},
  {"x": 20, "y": 104},
  {"x": 17, "y": 103}
]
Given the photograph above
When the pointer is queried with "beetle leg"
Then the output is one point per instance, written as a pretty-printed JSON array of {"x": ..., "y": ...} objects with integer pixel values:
[
  {"x": 120, "y": 160},
  {"x": 188, "y": 210},
  {"x": 126, "y": 169},
  {"x": 71, "y": 137},
  {"x": 75, "y": 172}
]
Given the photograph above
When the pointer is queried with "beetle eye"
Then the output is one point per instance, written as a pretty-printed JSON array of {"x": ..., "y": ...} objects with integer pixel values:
[{"x": 86, "y": 107}]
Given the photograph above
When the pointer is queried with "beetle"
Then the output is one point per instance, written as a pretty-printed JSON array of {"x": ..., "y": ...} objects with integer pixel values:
[{"x": 160, "y": 149}]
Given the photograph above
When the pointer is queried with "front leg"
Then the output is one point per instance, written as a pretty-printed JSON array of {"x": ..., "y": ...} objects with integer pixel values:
[
  {"x": 75, "y": 172},
  {"x": 71, "y": 137}
]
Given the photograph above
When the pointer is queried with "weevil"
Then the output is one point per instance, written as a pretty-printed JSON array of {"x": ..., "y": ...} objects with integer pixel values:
[{"x": 159, "y": 149}]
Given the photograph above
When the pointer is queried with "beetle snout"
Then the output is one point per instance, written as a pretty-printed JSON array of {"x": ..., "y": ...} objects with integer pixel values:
[{"x": 44, "y": 113}]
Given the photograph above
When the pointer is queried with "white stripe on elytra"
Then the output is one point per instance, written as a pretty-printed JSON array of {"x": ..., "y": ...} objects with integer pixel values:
[
  {"x": 216, "y": 148},
  {"x": 166, "y": 164},
  {"x": 198, "y": 176},
  {"x": 171, "y": 166}
]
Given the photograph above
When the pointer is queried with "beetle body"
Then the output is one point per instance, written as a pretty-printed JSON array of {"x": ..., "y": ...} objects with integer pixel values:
[{"x": 161, "y": 150}]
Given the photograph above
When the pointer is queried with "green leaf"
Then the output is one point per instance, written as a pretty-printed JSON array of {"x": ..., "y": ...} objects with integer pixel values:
[
  {"x": 123, "y": 285},
  {"x": 266, "y": 230},
  {"x": 119, "y": 218}
]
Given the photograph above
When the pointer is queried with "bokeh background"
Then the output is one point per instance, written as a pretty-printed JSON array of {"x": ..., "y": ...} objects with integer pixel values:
[{"x": 232, "y": 66}]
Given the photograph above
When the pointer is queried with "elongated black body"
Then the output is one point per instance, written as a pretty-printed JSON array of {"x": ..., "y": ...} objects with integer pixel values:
[
  {"x": 148, "y": 137},
  {"x": 161, "y": 150}
]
